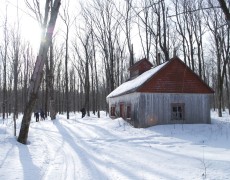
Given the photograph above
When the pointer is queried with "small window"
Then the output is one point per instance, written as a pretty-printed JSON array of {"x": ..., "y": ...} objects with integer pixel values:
[
  {"x": 128, "y": 111},
  {"x": 112, "y": 110},
  {"x": 177, "y": 111}
]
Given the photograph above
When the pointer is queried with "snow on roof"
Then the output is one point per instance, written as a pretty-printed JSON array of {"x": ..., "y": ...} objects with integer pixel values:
[{"x": 135, "y": 83}]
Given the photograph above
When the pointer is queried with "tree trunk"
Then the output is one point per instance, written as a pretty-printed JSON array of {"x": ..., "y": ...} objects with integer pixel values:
[
  {"x": 16, "y": 86},
  {"x": 66, "y": 73},
  {"x": 37, "y": 74},
  {"x": 23, "y": 135},
  {"x": 46, "y": 109},
  {"x": 51, "y": 85},
  {"x": 87, "y": 85},
  {"x": 225, "y": 10},
  {"x": 6, "y": 42}
]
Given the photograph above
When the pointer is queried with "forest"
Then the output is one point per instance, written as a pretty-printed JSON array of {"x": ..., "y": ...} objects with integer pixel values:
[{"x": 95, "y": 42}]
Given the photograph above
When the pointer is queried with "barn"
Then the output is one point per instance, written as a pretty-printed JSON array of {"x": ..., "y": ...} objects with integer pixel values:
[{"x": 166, "y": 94}]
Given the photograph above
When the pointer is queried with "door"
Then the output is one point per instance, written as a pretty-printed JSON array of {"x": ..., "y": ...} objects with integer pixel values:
[{"x": 122, "y": 110}]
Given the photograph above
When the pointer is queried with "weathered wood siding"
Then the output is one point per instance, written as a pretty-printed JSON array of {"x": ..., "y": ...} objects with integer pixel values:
[
  {"x": 148, "y": 109},
  {"x": 156, "y": 108},
  {"x": 129, "y": 99}
]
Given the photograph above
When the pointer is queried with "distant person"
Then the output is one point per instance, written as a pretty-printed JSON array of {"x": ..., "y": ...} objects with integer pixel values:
[
  {"x": 42, "y": 114},
  {"x": 83, "y": 112},
  {"x": 36, "y": 115}
]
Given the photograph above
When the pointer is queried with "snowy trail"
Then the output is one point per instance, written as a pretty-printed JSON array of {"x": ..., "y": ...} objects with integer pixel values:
[
  {"x": 68, "y": 157},
  {"x": 105, "y": 149},
  {"x": 78, "y": 148},
  {"x": 88, "y": 149}
]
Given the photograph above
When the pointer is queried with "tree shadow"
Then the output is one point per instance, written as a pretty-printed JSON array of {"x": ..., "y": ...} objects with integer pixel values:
[
  {"x": 2, "y": 160},
  {"x": 99, "y": 161},
  {"x": 30, "y": 170}
]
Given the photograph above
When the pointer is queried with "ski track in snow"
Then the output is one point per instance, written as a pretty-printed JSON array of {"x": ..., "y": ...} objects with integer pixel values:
[
  {"x": 69, "y": 154},
  {"x": 105, "y": 149}
]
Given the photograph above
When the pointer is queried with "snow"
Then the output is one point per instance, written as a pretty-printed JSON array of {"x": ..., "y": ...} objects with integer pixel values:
[
  {"x": 137, "y": 82},
  {"x": 102, "y": 148}
]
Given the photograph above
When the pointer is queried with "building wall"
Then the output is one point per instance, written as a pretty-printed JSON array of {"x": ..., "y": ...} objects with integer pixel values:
[
  {"x": 148, "y": 109},
  {"x": 131, "y": 100},
  {"x": 156, "y": 108}
]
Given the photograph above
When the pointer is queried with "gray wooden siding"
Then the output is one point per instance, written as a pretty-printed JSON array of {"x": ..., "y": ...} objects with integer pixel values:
[
  {"x": 128, "y": 99},
  {"x": 156, "y": 108},
  {"x": 148, "y": 109}
]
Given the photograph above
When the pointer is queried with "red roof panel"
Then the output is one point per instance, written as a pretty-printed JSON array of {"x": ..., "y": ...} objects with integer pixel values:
[{"x": 175, "y": 77}]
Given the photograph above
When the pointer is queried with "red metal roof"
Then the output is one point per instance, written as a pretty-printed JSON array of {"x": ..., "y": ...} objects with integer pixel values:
[{"x": 175, "y": 77}]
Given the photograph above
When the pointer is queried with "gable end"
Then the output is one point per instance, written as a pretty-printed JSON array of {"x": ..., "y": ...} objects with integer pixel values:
[{"x": 175, "y": 77}]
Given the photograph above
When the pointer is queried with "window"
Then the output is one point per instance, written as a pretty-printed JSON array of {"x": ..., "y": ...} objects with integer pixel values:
[
  {"x": 112, "y": 110},
  {"x": 177, "y": 111},
  {"x": 128, "y": 111}
]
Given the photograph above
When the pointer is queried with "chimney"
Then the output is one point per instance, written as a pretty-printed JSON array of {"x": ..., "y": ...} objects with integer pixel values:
[
  {"x": 158, "y": 59},
  {"x": 131, "y": 61},
  {"x": 174, "y": 52}
]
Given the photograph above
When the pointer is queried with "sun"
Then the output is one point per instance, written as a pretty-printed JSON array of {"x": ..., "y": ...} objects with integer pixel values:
[
  {"x": 31, "y": 32},
  {"x": 29, "y": 28}
]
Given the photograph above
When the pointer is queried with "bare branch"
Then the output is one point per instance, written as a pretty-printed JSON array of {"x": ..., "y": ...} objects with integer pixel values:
[{"x": 194, "y": 10}]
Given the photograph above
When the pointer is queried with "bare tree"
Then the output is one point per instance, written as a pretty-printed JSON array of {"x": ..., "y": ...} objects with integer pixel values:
[
  {"x": 96, "y": 75},
  {"x": 27, "y": 62},
  {"x": 66, "y": 19},
  {"x": 190, "y": 28},
  {"x": 162, "y": 14},
  {"x": 180, "y": 27},
  {"x": 128, "y": 20},
  {"x": 38, "y": 69},
  {"x": 16, "y": 46},
  {"x": 146, "y": 19},
  {"x": 214, "y": 23},
  {"x": 156, "y": 26},
  {"x": 85, "y": 60},
  {"x": 106, "y": 30},
  {"x": 59, "y": 88},
  {"x": 4, "y": 54},
  {"x": 199, "y": 31},
  {"x": 48, "y": 101},
  {"x": 51, "y": 84},
  {"x": 225, "y": 10}
]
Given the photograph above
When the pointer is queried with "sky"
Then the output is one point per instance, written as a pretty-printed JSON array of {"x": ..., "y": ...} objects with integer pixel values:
[
  {"x": 110, "y": 149},
  {"x": 29, "y": 27}
]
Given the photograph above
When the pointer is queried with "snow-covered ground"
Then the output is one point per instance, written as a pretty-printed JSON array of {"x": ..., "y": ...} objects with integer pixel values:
[{"x": 101, "y": 149}]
